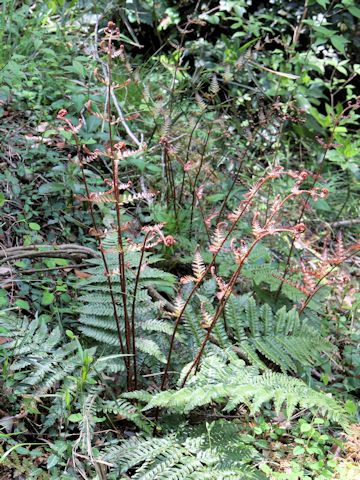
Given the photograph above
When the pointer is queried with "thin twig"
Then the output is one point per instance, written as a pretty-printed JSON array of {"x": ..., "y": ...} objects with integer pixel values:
[{"x": 196, "y": 179}]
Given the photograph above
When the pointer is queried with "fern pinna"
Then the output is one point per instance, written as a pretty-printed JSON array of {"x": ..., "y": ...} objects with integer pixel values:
[{"x": 40, "y": 358}]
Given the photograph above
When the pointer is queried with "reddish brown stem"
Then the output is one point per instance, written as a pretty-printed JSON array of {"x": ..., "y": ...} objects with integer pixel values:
[
  {"x": 121, "y": 257},
  {"x": 197, "y": 285},
  {"x": 197, "y": 196},
  {"x": 318, "y": 286},
  {"x": 194, "y": 196},
  {"x": 322, "y": 161},
  {"x": 133, "y": 332},
  {"x": 188, "y": 153},
  {"x": 219, "y": 311},
  {"x": 170, "y": 182},
  {"x": 224, "y": 301},
  {"x": 223, "y": 206},
  {"x": 107, "y": 271}
]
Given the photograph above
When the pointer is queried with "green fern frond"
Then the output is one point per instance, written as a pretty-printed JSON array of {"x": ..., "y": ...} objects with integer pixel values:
[
  {"x": 97, "y": 310},
  {"x": 233, "y": 383},
  {"x": 137, "y": 450},
  {"x": 125, "y": 410},
  {"x": 178, "y": 457},
  {"x": 36, "y": 354},
  {"x": 150, "y": 347},
  {"x": 283, "y": 339}
]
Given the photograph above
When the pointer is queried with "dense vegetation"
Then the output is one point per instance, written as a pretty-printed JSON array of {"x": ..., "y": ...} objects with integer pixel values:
[{"x": 179, "y": 239}]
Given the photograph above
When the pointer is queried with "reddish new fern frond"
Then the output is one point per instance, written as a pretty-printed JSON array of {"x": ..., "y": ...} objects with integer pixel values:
[
  {"x": 178, "y": 305},
  {"x": 218, "y": 238},
  {"x": 206, "y": 317},
  {"x": 198, "y": 265},
  {"x": 239, "y": 252},
  {"x": 221, "y": 284}
]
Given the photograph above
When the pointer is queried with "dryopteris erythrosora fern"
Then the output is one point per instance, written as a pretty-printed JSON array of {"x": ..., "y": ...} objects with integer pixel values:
[{"x": 96, "y": 310}]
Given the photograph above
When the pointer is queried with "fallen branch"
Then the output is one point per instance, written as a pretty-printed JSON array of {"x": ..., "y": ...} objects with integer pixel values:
[
  {"x": 155, "y": 295},
  {"x": 346, "y": 223},
  {"x": 67, "y": 251},
  {"x": 49, "y": 269}
]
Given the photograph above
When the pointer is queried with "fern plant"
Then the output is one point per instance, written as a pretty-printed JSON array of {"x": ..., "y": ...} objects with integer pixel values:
[
  {"x": 283, "y": 339},
  {"x": 216, "y": 453},
  {"x": 42, "y": 361},
  {"x": 137, "y": 325},
  {"x": 258, "y": 334},
  {"x": 96, "y": 319},
  {"x": 226, "y": 380},
  {"x": 40, "y": 358}
]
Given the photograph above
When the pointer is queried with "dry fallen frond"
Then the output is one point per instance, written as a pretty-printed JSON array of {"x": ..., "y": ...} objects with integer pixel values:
[{"x": 352, "y": 445}]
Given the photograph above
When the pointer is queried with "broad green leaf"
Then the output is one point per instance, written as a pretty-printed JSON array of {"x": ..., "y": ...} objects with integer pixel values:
[
  {"x": 323, "y": 3},
  {"x": 51, "y": 187},
  {"x": 23, "y": 304},
  {"x": 305, "y": 427},
  {"x": 79, "y": 68},
  {"x": 75, "y": 417},
  {"x": 47, "y": 298},
  {"x": 52, "y": 461},
  {"x": 355, "y": 11},
  {"x": 326, "y": 32},
  {"x": 34, "y": 226},
  {"x": 339, "y": 43},
  {"x": 298, "y": 450}
]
